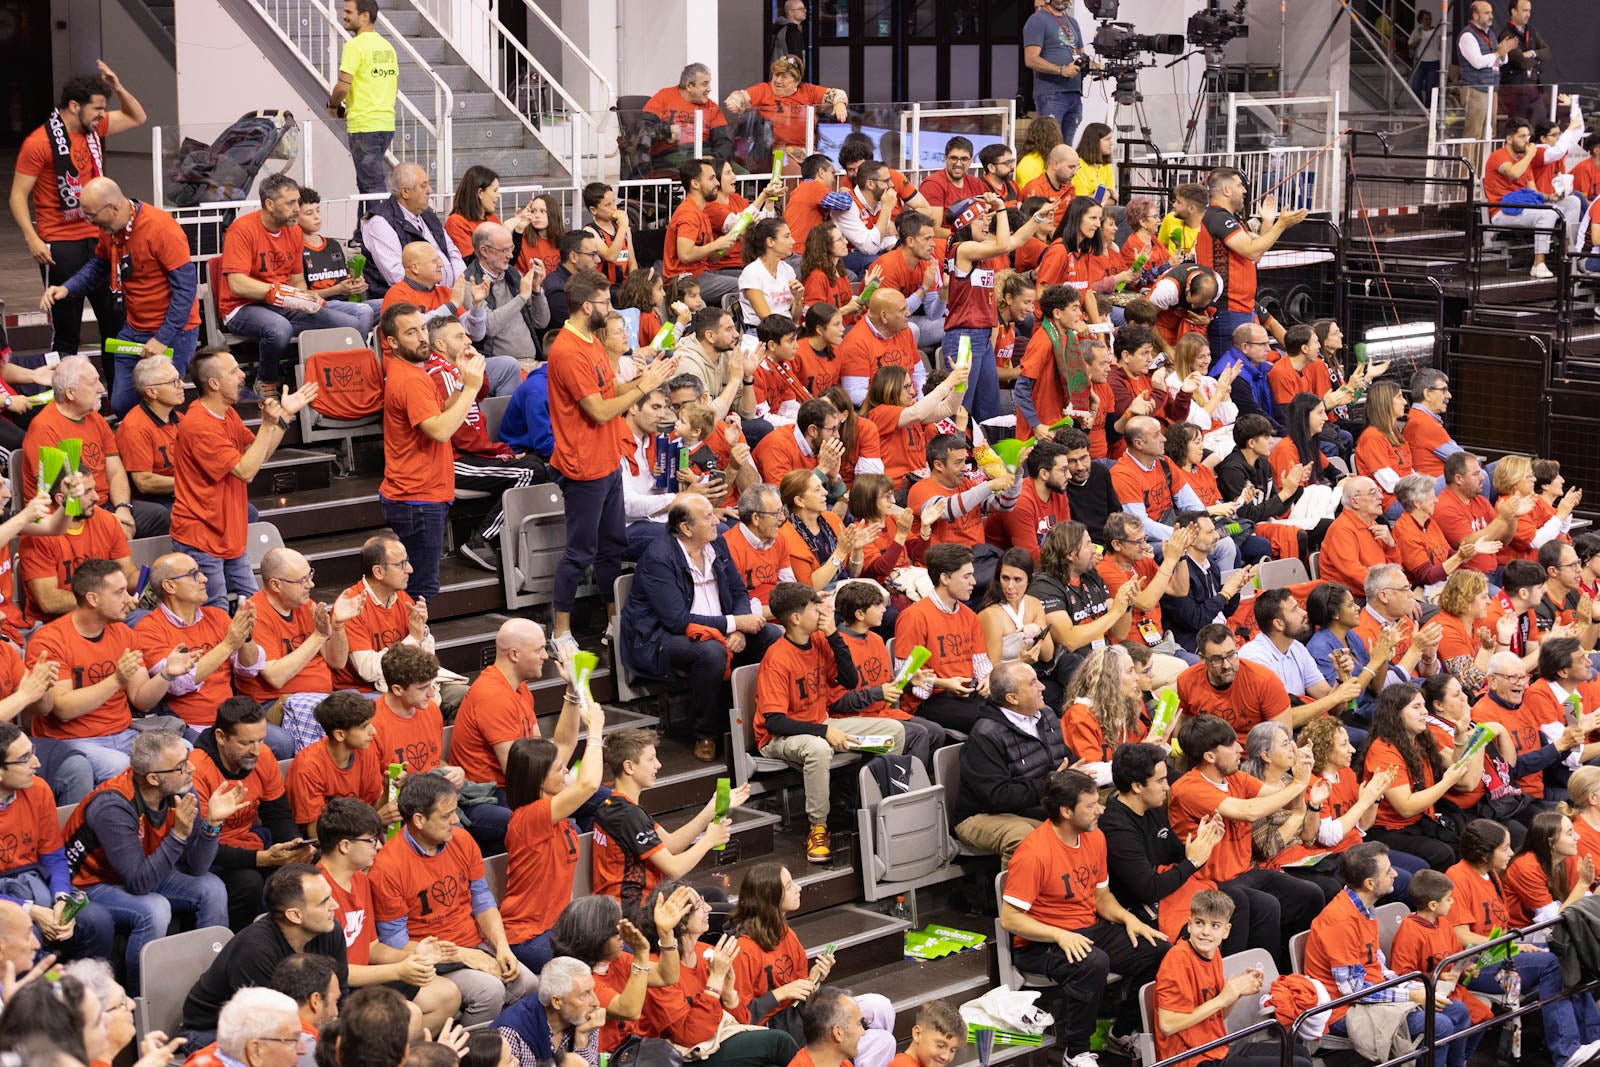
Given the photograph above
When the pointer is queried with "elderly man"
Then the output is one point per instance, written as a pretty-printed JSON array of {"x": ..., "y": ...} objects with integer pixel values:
[
  {"x": 422, "y": 286},
  {"x": 262, "y": 293},
  {"x": 759, "y": 554},
  {"x": 1527, "y": 746},
  {"x": 75, "y": 413},
  {"x": 669, "y": 119},
  {"x": 1357, "y": 540},
  {"x": 559, "y": 1024},
  {"x": 213, "y": 463},
  {"x": 518, "y": 311},
  {"x": 400, "y": 220},
  {"x": 1056, "y": 181},
  {"x": 258, "y": 1027},
  {"x": 301, "y": 917},
  {"x": 1391, "y": 607},
  {"x": 388, "y": 616},
  {"x": 882, "y": 338},
  {"x": 1250, "y": 392},
  {"x": 308, "y": 638},
  {"x": 19, "y": 941},
  {"x": 686, "y": 587},
  {"x": 143, "y": 255},
  {"x": 142, "y": 844},
  {"x": 182, "y": 618},
  {"x": 148, "y": 433},
  {"x": 102, "y": 672}
]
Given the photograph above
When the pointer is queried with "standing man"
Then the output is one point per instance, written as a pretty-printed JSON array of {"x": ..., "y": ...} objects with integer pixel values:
[
  {"x": 67, "y": 153},
  {"x": 419, "y": 480},
  {"x": 369, "y": 76},
  {"x": 1228, "y": 247},
  {"x": 213, "y": 462},
  {"x": 262, "y": 293},
  {"x": 143, "y": 255},
  {"x": 590, "y": 438},
  {"x": 789, "y": 33},
  {"x": 1519, "y": 81},
  {"x": 1053, "y": 47},
  {"x": 1480, "y": 61}
]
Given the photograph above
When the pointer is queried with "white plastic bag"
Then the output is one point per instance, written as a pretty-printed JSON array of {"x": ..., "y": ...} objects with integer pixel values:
[{"x": 1007, "y": 1009}]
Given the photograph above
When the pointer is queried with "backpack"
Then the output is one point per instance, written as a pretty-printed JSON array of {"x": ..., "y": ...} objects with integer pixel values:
[{"x": 226, "y": 168}]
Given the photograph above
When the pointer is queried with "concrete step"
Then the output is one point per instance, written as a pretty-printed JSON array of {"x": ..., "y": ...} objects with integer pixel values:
[
  {"x": 291, "y": 471},
  {"x": 683, "y": 780},
  {"x": 862, "y": 939},
  {"x": 822, "y": 885},
  {"x": 350, "y": 504},
  {"x": 408, "y": 24},
  {"x": 617, "y": 718},
  {"x": 458, "y": 76},
  {"x": 466, "y": 645},
  {"x": 433, "y": 50},
  {"x": 483, "y": 105},
  {"x": 519, "y": 161},
  {"x": 909, "y": 984},
  {"x": 500, "y": 132}
]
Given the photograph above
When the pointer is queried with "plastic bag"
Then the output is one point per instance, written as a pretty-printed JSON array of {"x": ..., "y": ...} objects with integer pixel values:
[{"x": 1008, "y": 1009}]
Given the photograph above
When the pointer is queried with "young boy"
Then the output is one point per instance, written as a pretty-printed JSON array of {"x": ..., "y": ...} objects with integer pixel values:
[
  {"x": 777, "y": 380},
  {"x": 798, "y": 674},
  {"x": 1424, "y": 938},
  {"x": 936, "y": 1037},
  {"x": 351, "y": 833},
  {"x": 1193, "y": 999},
  {"x": 344, "y": 763},
  {"x": 716, "y": 452},
  {"x": 860, "y": 607},
  {"x": 632, "y": 853},
  {"x": 327, "y": 272}
]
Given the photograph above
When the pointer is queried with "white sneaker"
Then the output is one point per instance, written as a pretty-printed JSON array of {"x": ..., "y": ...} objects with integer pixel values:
[
  {"x": 1123, "y": 1044},
  {"x": 565, "y": 645},
  {"x": 1584, "y": 1054},
  {"x": 1541, "y": 271},
  {"x": 1089, "y": 1059}
]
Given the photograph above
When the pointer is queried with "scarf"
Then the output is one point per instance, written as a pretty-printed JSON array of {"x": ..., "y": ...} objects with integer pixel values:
[
  {"x": 822, "y": 543},
  {"x": 69, "y": 186}
]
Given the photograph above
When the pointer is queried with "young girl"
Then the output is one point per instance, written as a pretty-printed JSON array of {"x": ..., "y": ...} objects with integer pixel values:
[
  {"x": 767, "y": 285},
  {"x": 822, "y": 271},
  {"x": 647, "y": 293},
  {"x": 818, "y": 352},
  {"x": 1014, "y": 296},
  {"x": 542, "y": 237},
  {"x": 722, "y": 211}
]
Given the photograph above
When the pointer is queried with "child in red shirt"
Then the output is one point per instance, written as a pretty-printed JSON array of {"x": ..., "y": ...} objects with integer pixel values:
[
  {"x": 1424, "y": 938},
  {"x": 936, "y": 1036},
  {"x": 345, "y": 763}
]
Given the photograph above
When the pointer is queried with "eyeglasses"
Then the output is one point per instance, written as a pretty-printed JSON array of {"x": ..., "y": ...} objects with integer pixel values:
[
  {"x": 169, "y": 381},
  {"x": 187, "y": 575},
  {"x": 1226, "y": 658},
  {"x": 403, "y": 564},
  {"x": 23, "y": 762},
  {"x": 1394, "y": 589},
  {"x": 367, "y": 839},
  {"x": 1510, "y": 677},
  {"x": 308, "y": 581},
  {"x": 186, "y": 767},
  {"x": 303, "y": 1040}
]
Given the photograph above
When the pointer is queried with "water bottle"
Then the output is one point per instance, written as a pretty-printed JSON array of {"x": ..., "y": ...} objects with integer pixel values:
[
  {"x": 666, "y": 465},
  {"x": 899, "y": 910}
]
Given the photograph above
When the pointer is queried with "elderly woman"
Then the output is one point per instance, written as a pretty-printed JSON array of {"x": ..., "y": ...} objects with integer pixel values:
[
  {"x": 1144, "y": 219},
  {"x": 1513, "y": 476},
  {"x": 783, "y": 101},
  {"x": 1426, "y": 556}
]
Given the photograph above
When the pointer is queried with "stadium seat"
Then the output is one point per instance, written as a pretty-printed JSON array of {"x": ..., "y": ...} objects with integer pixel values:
[
  {"x": 494, "y": 875},
  {"x": 531, "y": 540},
  {"x": 179, "y": 960},
  {"x": 444, "y": 748},
  {"x": 493, "y": 409},
  {"x": 146, "y": 550},
  {"x": 1009, "y": 975},
  {"x": 1281, "y": 573},
  {"x": 317, "y": 427},
  {"x": 905, "y": 839},
  {"x": 210, "y": 278},
  {"x": 1390, "y": 916},
  {"x": 748, "y": 764},
  {"x": 947, "y": 776},
  {"x": 583, "y": 876},
  {"x": 261, "y": 538}
]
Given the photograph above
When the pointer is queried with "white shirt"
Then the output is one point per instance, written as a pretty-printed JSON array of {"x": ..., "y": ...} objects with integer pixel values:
[
  {"x": 707, "y": 595},
  {"x": 855, "y": 230},
  {"x": 1469, "y": 48},
  {"x": 641, "y": 500},
  {"x": 775, "y": 290},
  {"x": 1028, "y": 724}
]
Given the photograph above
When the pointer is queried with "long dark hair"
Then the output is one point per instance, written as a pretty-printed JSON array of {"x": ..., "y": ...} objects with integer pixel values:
[
  {"x": 759, "y": 913},
  {"x": 1022, "y": 560},
  {"x": 1389, "y": 725},
  {"x": 1542, "y": 833},
  {"x": 1072, "y": 225},
  {"x": 473, "y": 182},
  {"x": 1298, "y": 421},
  {"x": 1089, "y": 143},
  {"x": 1480, "y": 839},
  {"x": 527, "y": 766},
  {"x": 818, "y": 252},
  {"x": 1325, "y": 603}
]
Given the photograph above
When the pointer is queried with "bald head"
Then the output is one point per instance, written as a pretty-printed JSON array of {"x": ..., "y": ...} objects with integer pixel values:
[
  {"x": 18, "y": 942},
  {"x": 514, "y": 632},
  {"x": 98, "y": 194},
  {"x": 1062, "y": 164},
  {"x": 1141, "y": 430},
  {"x": 888, "y": 310},
  {"x": 520, "y": 651},
  {"x": 420, "y": 261},
  {"x": 175, "y": 567},
  {"x": 280, "y": 563}
]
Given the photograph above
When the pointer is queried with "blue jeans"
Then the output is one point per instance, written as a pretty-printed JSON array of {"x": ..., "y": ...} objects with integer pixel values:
[
  {"x": 93, "y": 934},
  {"x": 123, "y": 395},
  {"x": 1568, "y": 1021},
  {"x": 536, "y": 953},
  {"x": 146, "y": 916},
  {"x": 1220, "y": 332},
  {"x": 596, "y": 536},
  {"x": 274, "y": 330},
  {"x": 367, "y": 151},
  {"x": 488, "y": 824},
  {"x": 223, "y": 576},
  {"x": 982, "y": 397},
  {"x": 107, "y": 756},
  {"x": 1424, "y": 80},
  {"x": 68, "y": 772},
  {"x": 420, "y": 528},
  {"x": 1064, "y": 105}
]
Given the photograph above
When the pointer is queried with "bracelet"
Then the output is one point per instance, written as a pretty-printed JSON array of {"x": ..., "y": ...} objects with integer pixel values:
[
  {"x": 571, "y": 698},
  {"x": 210, "y": 829},
  {"x": 670, "y": 948},
  {"x": 124, "y": 504},
  {"x": 283, "y": 424},
  {"x": 1313, "y": 807},
  {"x": 749, "y": 381},
  {"x": 639, "y": 968}
]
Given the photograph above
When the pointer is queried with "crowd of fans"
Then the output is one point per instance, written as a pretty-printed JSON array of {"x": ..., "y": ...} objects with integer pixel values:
[{"x": 953, "y": 462}]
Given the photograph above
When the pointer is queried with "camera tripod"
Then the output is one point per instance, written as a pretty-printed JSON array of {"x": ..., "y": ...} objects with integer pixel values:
[
  {"x": 1130, "y": 100},
  {"x": 1210, "y": 86}
]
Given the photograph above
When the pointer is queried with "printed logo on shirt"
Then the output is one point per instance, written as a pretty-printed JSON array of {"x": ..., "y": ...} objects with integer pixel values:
[
  {"x": 353, "y": 922},
  {"x": 11, "y": 845},
  {"x": 447, "y": 890},
  {"x": 93, "y": 673},
  {"x": 417, "y": 756}
]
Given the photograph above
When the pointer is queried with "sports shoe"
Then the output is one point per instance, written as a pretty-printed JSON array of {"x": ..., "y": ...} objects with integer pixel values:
[
  {"x": 818, "y": 845},
  {"x": 1584, "y": 1054},
  {"x": 564, "y": 645},
  {"x": 1541, "y": 271},
  {"x": 1123, "y": 1044},
  {"x": 1082, "y": 1059},
  {"x": 481, "y": 553}
]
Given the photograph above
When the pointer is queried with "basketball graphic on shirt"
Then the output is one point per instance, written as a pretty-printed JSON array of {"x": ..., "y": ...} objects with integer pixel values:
[
  {"x": 8, "y": 850},
  {"x": 446, "y": 891},
  {"x": 417, "y": 756}
]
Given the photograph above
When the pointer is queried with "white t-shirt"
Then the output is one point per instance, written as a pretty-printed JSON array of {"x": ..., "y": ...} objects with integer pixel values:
[{"x": 775, "y": 290}]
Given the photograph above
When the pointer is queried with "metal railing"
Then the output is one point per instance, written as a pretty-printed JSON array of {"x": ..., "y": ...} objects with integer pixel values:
[{"x": 310, "y": 31}]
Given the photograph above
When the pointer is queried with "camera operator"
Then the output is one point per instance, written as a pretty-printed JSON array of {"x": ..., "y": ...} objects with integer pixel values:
[{"x": 1053, "y": 47}]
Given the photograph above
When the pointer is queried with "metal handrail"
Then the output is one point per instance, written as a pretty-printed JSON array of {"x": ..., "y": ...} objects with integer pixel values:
[{"x": 556, "y": 32}]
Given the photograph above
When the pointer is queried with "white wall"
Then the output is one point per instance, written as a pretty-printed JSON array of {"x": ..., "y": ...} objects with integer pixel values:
[
  {"x": 222, "y": 75},
  {"x": 1167, "y": 90},
  {"x": 656, "y": 38}
]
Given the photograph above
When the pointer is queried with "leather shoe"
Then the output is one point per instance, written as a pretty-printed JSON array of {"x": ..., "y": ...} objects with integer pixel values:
[{"x": 705, "y": 750}]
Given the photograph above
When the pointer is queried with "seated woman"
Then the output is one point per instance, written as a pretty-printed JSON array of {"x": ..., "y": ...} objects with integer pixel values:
[
  {"x": 863, "y": 448},
  {"x": 1463, "y": 604},
  {"x": 1425, "y": 555},
  {"x": 905, "y": 424},
  {"x": 823, "y": 277},
  {"x": 1381, "y": 452},
  {"x": 1104, "y": 709},
  {"x": 1547, "y": 876},
  {"x": 789, "y": 104},
  {"x": 692, "y": 1012},
  {"x": 872, "y": 502},
  {"x": 1186, "y": 449},
  {"x": 1304, "y": 421},
  {"x": 1513, "y": 476},
  {"x": 822, "y": 549},
  {"x": 542, "y": 839},
  {"x": 1348, "y": 806},
  {"x": 1401, "y": 742},
  {"x": 1211, "y": 407},
  {"x": 1014, "y": 626},
  {"x": 1080, "y": 258}
]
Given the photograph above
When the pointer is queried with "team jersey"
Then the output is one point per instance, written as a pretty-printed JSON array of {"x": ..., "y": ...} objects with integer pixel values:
[
  {"x": 1236, "y": 274},
  {"x": 495, "y": 712},
  {"x": 314, "y": 778},
  {"x": 1185, "y": 981},
  {"x": 416, "y": 741},
  {"x": 625, "y": 837},
  {"x": 264, "y": 782}
]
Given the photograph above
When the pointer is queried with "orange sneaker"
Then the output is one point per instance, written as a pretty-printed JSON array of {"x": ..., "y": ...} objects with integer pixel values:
[{"x": 818, "y": 844}]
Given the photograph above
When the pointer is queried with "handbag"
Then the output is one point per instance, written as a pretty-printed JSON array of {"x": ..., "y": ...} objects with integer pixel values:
[
  {"x": 789, "y": 1020},
  {"x": 636, "y": 1051}
]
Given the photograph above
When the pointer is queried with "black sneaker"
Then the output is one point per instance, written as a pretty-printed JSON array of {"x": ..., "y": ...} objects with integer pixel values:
[{"x": 481, "y": 553}]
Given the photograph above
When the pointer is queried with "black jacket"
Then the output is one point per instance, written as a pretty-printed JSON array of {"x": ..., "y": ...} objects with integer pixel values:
[
  {"x": 1185, "y": 615},
  {"x": 1137, "y": 848},
  {"x": 390, "y": 211},
  {"x": 1093, "y": 502},
  {"x": 273, "y": 815},
  {"x": 248, "y": 959},
  {"x": 1003, "y": 769},
  {"x": 658, "y": 604}
]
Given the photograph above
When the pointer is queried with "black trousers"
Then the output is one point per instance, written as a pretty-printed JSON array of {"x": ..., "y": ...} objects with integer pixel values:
[
  {"x": 1439, "y": 855},
  {"x": 706, "y": 663},
  {"x": 1277, "y": 906},
  {"x": 951, "y": 710},
  {"x": 66, "y": 315},
  {"x": 1076, "y": 1005}
]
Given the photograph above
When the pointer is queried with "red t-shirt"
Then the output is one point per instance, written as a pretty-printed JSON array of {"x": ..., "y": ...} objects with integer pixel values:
[
  {"x": 1256, "y": 696},
  {"x": 88, "y": 662},
  {"x": 416, "y": 468},
  {"x": 210, "y": 509},
  {"x": 100, "y": 537},
  {"x": 1194, "y": 796},
  {"x": 1381, "y": 754},
  {"x": 757, "y": 971},
  {"x": 793, "y": 682},
  {"x": 495, "y": 712},
  {"x": 1236, "y": 274},
  {"x": 904, "y": 448},
  {"x": 37, "y": 161},
  {"x": 51, "y": 425},
  {"x": 1478, "y": 903},
  {"x": 314, "y": 778},
  {"x": 863, "y": 353},
  {"x": 249, "y": 248},
  {"x": 1029, "y": 521},
  {"x": 29, "y": 827},
  {"x": 264, "y": 782},
  {"x": 376, "y": 629},
  {"x": 1185, "y": 981},
  {"x": 155, "y": 245},
  {"x": 147, "y": 445},
  {"x": 952, "y": 638},
  {"x": 1456, "y": 519},
  {"x": 158, "y": 636},
  {"x": 585, "y": 450},
  {"x": 1342, "y": 937},
  {"x": 355, "y": 916},
  {"x": 967, "y": 530},
  {"x": 414, "y": 742},
  {"x": 689, "y": 220},
  {"x": 432, "y": 893},
  {"x": 1055, "y": 882},
  {"x": 941, "y": 192},
  {"x": 670, "y": 107},
  {"x": 789, "y": 114},
  {"x": 278, "y": 636},
  {"x": 543, "y": 857}
]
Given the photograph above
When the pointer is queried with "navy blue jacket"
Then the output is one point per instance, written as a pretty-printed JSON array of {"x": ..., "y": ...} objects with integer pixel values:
[{"x": 658, "y": 604}]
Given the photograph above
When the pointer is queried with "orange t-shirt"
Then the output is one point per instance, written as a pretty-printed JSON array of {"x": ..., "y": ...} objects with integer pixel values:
[
  {"x": 1526, "y": 889},
  {"x": 12, "y": 621},
  {"x": 543, "y": 857},
  {"x": 147, "y": 445},
  {"x": 249, "y": 248},
  {"x": 863, "y": 353},
  {"x": 1375, "y": 452},
  {"x": 1381, "y": 754},
  {"x": 1255, "y": 696},
  {"x": 1029, "y": 521},
  {"x": 88, "y": 662},
  {"x": 264, "y": 782},
  {"x": 376, "y": 629},
  {"x": 757, "y": 971},
  {"x": 99, "y": 537},
  {"x": 38, "y": 161},
  {"x": 1143, "y": 625},
  {"x": 717, "y": 213},
  {"x": 416, "y": 468},
  {"x": 1056, "y": 883},
  {"x": 1153, "y": 488},
  {"x": 1456, "y": 520},
  {"x": 1419, "y": 945},
  {"x": 432, "y": 893},
  {"x": 29, "y": 826},
  {"x": 495, "y": 712},
  {"x": 1419, "y": 546},
  {"x": 314, "y": 778},
  {"x": 355, "y": 916},
  {"x": 953, "y": 638},
  {"x": 817, "y": 373},
  {"x": 1342, "y": 937},
  {"x": 459, "y": 229},
  {"x": 1284, "y": 455},
  {"x": 51, "y": 425},
  {"x": 1588, "y": 839},
  {"x": 789, "y": 115},
  {"x": 1085, "y": 737},
  {"x": 904, "y": 448},
  {"x": 1286, "y": 382},
  {"x": 1042, "y": 186},
  {"x": 585, "y": 450},
  {"x": 803, "y": 212},
  {"x": 1479, "y": 904},
  {"x": 156, "y": 245},
  {"x": 158, "y": 636},
  {"x": 759, "y": 567},
  {"x": 1349, "y": 550},
  {"x": 670, "y": 106},
  {"x": 967, "y": 530},
  {"x": 1194, "y": 796},
  {"x": 1185, "y": 981},
  {"x": 1525, "y": 735},
  {"x": 1050, "y": 398},
  {"x": 278, "y": 636},
  {"x": 819, "y": 290},
  {"x": 778, "y": 453},
  {"x": 871, "y": 658},
  {"x": 541, "y": 248},
  {"x": 689, "y": 220},
  {"x": 793, "y": 682},
  {"x": 1424, "y": 433},
  {"x": 210, "y": 509},
  {"x": 415, "y": 742}
]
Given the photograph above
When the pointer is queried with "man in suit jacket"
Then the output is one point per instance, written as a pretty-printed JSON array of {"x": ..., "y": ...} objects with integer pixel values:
[{"x": 689, "y": 611}]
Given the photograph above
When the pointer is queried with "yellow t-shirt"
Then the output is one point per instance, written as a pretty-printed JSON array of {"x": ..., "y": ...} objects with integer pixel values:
[
  {"x": 374, "y": 73},
  {"x": 1091, "y": 176},
  {"x": 1029, "y": 167},
  {"x": 1178, "y": 238}
]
